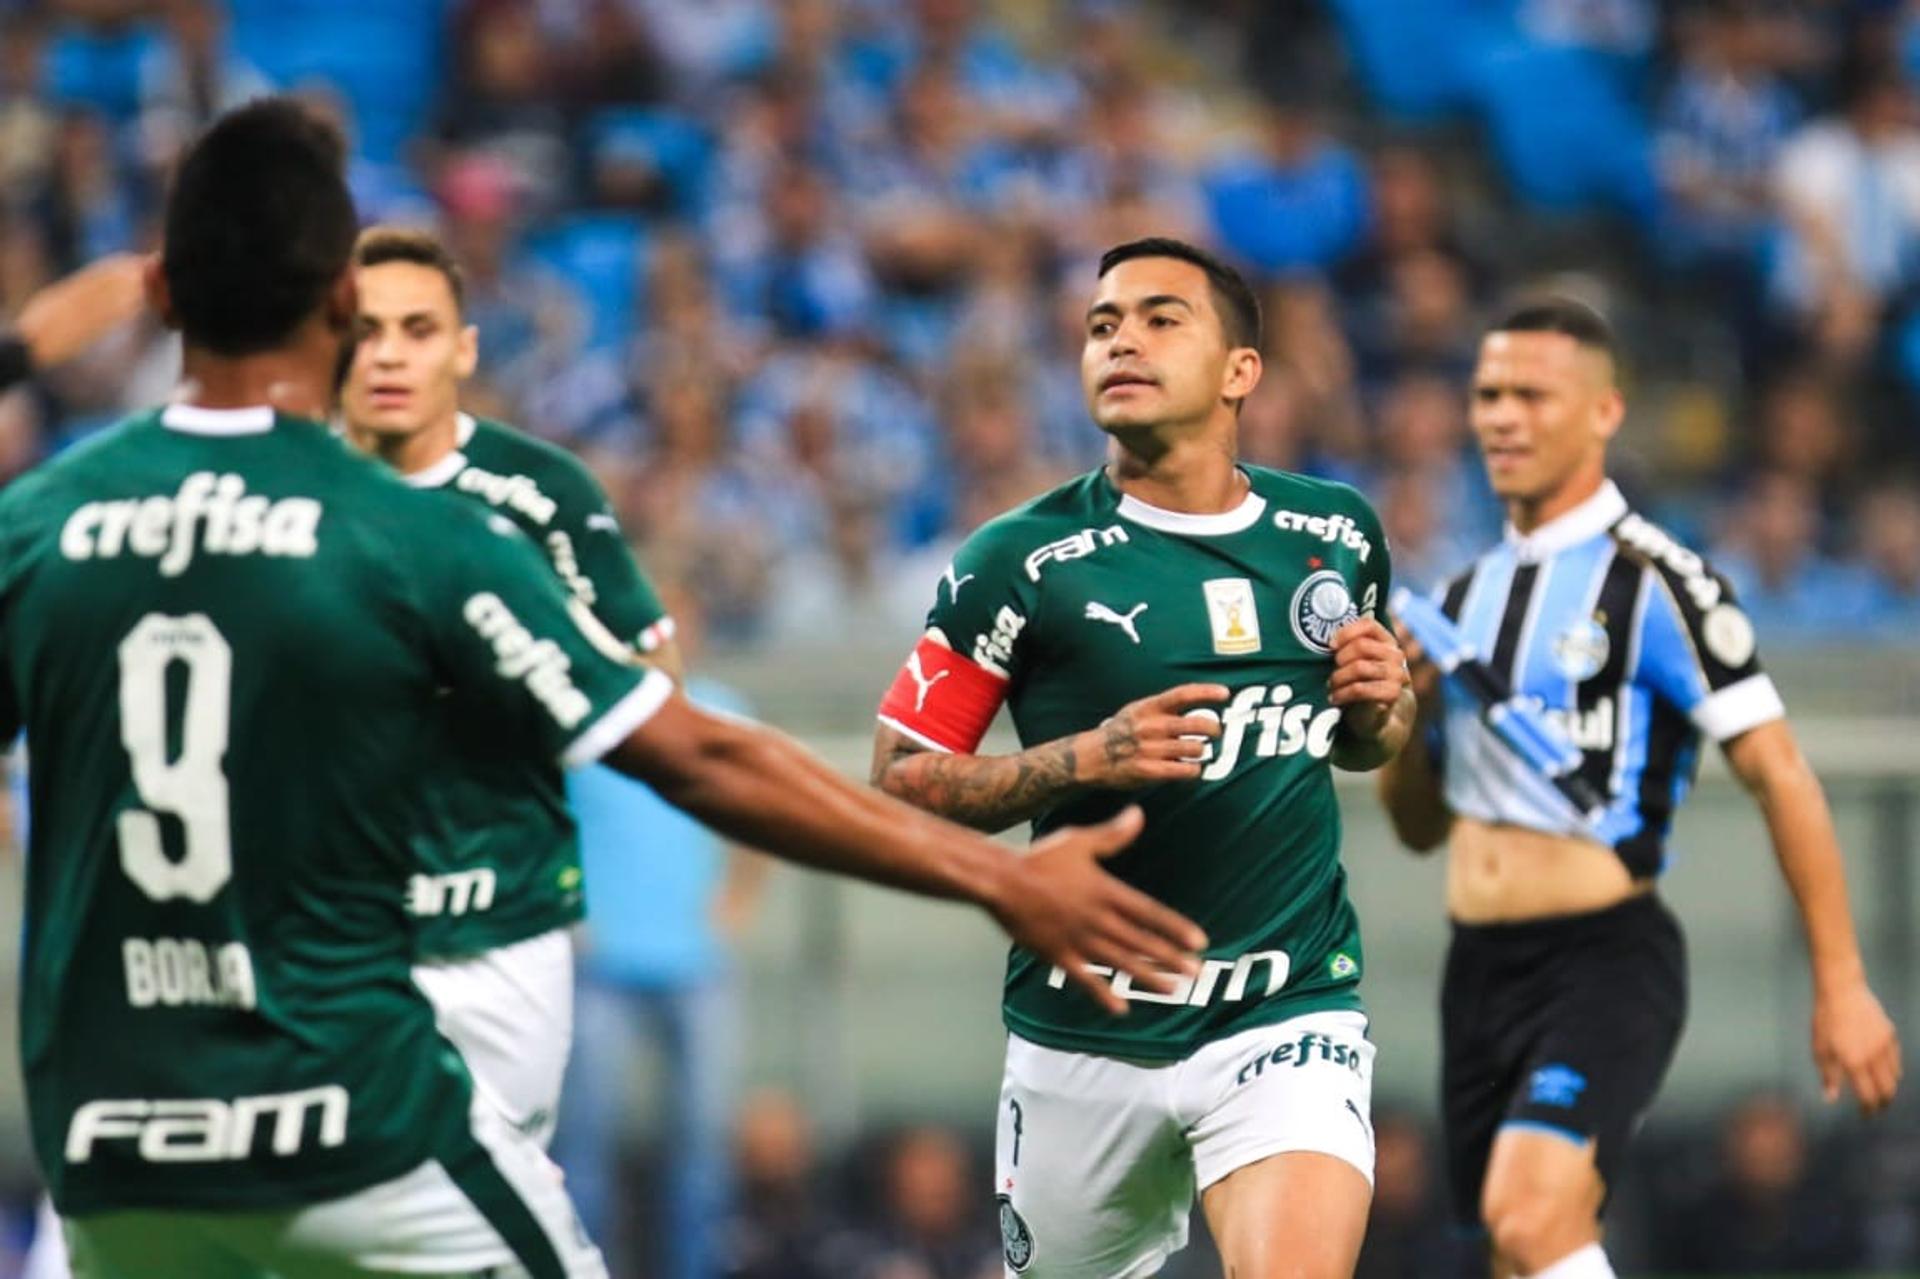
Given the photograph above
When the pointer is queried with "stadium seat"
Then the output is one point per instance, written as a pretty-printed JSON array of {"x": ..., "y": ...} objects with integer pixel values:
[
  {"x": 98, "y": 69},
  {"x": 383, "y": 56},
  {"x": 603, "y": 256},
  {"x": 1565, "y": 135},
  {"x": 666, "y": 141},
  {"x": 1411, "y": 54}
]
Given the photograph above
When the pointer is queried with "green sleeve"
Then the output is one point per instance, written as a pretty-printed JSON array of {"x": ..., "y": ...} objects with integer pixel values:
[
  {"x": 530, "y": 657},
  {"x": 589, "y": 551},
  {"x": 984, "y": 601}
]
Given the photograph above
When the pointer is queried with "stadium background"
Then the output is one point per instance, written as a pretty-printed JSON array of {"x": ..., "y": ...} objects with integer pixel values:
[{"x": 801, "y": 279}]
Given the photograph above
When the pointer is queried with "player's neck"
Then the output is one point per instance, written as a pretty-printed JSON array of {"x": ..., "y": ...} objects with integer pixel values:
[
  {"x": 411, "y": 454},
  {"x": 296, "y": 378},
  {"x": 1526, "y": 515},
  {"x": 1196, "y": 475}
]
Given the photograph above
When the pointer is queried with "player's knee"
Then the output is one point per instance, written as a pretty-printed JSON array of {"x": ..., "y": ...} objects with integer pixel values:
[{"x": 1531, "y": 1228}]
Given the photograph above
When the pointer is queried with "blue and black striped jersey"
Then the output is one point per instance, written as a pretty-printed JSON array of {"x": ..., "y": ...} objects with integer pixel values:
[{"x": 1633, "y": 648}]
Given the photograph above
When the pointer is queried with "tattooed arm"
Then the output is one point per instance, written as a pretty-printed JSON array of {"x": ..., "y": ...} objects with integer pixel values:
[{"x": 1155, "y": 739}]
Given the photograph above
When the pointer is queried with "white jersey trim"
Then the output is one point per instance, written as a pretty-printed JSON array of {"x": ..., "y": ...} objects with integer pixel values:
[
  {"x": 1187, "y": 523},
  {"x": 193, "y": 419},
  {"x": 1738, "y": 707},
  {"x": 921, "y": 738},
  {"x": 1565, "y": 531},
  {"x": 442, "y": 472},
  {"x": 439, "y": 474},
  {"x": 621, "y": 719}
]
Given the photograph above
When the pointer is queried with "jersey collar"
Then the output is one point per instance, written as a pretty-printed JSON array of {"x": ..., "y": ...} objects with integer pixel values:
[
  {"x": 1188, "y": 524},
  {"x": 1588, "y": 520},
  {"x": 443, "y": 471},
  {"x": 192, "y": 419}
]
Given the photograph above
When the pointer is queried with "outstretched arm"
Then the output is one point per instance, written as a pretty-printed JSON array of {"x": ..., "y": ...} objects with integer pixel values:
[
  {"x": 1853, "y": 1040},
  {"x": 757, "y": 786},
  {"x": 1151, "y": 740}
]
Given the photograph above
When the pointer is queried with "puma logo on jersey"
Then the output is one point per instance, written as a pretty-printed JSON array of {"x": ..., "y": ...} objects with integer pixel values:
[
  {"x": 1078, "y": 546},
  {"x": 209, "y": 512},
  {"x": 540, "y": 664},
  {"x": 515, "y": 492},
  {"x": 1098, "y": 612},
  {"x": 1333, "y": 529},
  {"x": 208, "y": 1130},
  {"x": 1286, "y": 728},
  {"x": 919, "y": 677},
  {"x": 954, "y": 584}
]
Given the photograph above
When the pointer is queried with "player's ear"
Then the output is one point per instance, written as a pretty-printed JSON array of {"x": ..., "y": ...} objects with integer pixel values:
[
  {"x": 153, "y": 279},
  {"x": 1609, "y": 413},
  {"x": 1242, "y": 373},
  {"x": 343, "y": 303},
  {"x": 466, "y": 354}
]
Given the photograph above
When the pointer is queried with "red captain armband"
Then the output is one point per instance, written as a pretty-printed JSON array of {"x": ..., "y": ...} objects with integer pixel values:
[{"x": 943, "y": 700}]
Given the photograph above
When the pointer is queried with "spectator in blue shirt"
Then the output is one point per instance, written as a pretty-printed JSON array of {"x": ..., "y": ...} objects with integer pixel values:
[
  {"x": 1890, "y": 543},
  {"x": 1295, "y": 202},
  {"x": 665, "y": 899},
  {"x": 1782, "y": 577}
]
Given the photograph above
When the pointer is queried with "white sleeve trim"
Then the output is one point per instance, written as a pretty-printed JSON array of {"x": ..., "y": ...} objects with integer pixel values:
[
  {"x": 625, "y": 715},
  {"x": 657, "y": 634},
  {"x": 922, "y": 738},
  {"x": 1738, "y": 707}
]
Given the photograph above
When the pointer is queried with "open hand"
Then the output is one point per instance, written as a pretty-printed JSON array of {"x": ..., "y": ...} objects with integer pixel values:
[
  {"x": 1854, "y": 1043},
  {"x": 1061, "y": 905}
]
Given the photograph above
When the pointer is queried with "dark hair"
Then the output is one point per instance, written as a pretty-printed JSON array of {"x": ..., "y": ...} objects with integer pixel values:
[
  {"x": 382, "y": 244},
  {"x": 1232, "y": 297},
  {"x": 1562, "y": 315},
  {"x": 259, "y": 225}
]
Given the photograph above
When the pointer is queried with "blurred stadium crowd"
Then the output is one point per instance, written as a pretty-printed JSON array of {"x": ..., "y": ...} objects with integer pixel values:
[{"x": 803, "y": 279}]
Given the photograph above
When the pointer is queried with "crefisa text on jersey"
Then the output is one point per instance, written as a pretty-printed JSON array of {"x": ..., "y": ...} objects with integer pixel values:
[{"x": 213, "y": 513}]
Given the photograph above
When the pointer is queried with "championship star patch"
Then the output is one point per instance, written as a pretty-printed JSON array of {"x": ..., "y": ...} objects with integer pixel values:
[{"x": 1016, "y": 1241}]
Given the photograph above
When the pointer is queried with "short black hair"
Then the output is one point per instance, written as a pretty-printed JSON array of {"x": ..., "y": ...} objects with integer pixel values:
[
  {"x": 259, "y": 225},
  {"x": 380, "y": 245},
  {"x": 1565, "y": 316},
  {"x": 1233, "y": 298}
]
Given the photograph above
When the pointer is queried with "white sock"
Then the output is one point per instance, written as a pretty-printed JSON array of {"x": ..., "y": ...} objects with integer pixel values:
[{"x": 1589, "y": 1262}]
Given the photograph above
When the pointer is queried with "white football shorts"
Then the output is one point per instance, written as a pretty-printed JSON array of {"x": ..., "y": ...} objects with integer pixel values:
[
  {"x": 1098, "y": 1159},
  {"x": 510, "y": 1013}
]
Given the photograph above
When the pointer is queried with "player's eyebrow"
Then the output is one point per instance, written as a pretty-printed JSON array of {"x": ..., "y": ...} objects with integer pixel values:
[{"x": 1149, "y": 303}]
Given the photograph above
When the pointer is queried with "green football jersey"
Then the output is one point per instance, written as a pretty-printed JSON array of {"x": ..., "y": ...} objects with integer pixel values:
[
  {"x": 228, "y": 637},
  {"x": 504, "y": 864},
  {"x": 1084, "y": 600}
]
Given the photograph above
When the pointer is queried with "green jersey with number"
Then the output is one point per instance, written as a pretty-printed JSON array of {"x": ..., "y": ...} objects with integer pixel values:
[
  {"x": 228, "y": 638},
  {"x": 1084, "y": 600},
  {"x": 505, "y": 864}
]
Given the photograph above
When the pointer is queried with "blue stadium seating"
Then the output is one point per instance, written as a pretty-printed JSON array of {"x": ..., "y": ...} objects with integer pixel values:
[{"x": 602, "y": 255}]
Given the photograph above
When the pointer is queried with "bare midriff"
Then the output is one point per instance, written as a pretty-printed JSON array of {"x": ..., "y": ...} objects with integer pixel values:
[{"x": 1503, "y": 874}]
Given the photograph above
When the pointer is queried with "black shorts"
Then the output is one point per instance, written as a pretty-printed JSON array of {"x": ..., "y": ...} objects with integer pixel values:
[{"x": 1563, "y": 1024}]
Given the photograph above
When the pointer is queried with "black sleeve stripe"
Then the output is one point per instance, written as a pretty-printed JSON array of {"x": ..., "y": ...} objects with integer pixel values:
[
  {"x": 16, "y": 362},
  {"x": 1613, "y": 609},
  {"x": 1506, "y": 645},
  {"x": 1455, "y": 597},
  {"x": 1716, "y": 628}
]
